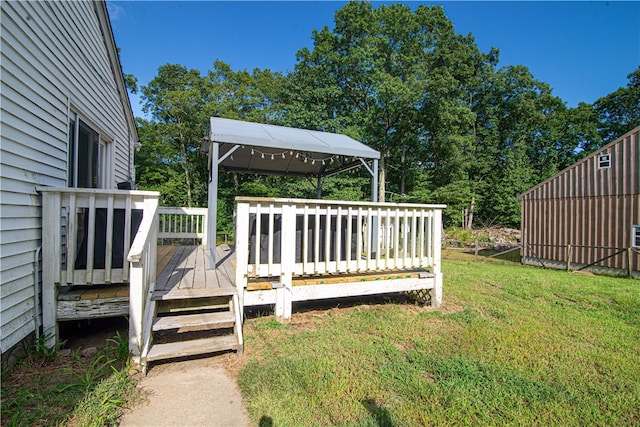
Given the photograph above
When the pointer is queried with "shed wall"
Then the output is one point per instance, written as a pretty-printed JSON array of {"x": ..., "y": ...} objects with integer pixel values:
[
  {"x": 592, "y": 209},
  {"x": 53, "y": 59}
]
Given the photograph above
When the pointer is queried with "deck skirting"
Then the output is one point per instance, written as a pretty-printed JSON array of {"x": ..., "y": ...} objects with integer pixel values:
[
  {"x": 92, "y": 302},
  {"x": 282, "y": 296}
]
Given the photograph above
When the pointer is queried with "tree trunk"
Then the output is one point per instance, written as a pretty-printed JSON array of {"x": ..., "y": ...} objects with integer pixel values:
[
  {"x": 471, "y": 209},
  {"x": 185, "y": 168},
  {"x": 382, "y": 177},
  {"x": 236, "y": 183},
  {"x": 402, "y": 171}
]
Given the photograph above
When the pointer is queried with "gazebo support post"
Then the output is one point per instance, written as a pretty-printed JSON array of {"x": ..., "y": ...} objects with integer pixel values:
[
  {"x": 374, "y": 181},
  {"x": 212, "y": 201}
]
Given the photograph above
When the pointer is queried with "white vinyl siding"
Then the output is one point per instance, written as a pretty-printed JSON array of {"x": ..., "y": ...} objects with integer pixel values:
[{"x": 54, "y": 60}]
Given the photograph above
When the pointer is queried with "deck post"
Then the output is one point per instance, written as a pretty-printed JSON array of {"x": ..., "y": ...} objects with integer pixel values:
[
  {"x": 51, "y": 246},
  {"x": 242, "y": 251},
  {"x": 287, "y": 259},
  {"x": 436, "y": 296}
]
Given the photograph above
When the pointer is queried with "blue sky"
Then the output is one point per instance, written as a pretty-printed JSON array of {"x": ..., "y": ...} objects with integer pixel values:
[{"x": 583, "y": 50}]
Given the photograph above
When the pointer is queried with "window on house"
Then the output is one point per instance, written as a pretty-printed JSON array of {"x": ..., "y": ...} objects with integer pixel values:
[
  {"x": 604, "y": 161},
  {"x": 89, "y": 156},
  {"x": 635, "y": 234}
]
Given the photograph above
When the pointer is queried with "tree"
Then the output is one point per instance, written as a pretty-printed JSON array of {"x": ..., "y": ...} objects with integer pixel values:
[
  {"x": 369, "y": 77},
  {"x": 451, "y": 127},
  {"x": 619, "y": 112},
  {"x": 176, "y": 98}
]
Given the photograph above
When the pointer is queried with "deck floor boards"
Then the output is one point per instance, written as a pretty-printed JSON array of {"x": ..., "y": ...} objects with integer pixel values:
[{"x": 188, "y": 267}]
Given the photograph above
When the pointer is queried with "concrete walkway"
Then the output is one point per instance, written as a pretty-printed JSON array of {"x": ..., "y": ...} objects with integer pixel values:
[{"x": 190, "y": 393}]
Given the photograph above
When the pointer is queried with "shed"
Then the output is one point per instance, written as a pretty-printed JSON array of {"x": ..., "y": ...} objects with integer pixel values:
[{"x": 588, "y": 215}]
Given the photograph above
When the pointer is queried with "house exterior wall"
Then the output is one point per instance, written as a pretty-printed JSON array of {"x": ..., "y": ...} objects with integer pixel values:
[
  {"x": 56, "y": 58},
  {"x": 592, "y": 209}
]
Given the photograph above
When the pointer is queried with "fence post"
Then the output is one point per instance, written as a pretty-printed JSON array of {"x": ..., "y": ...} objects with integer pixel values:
[
  {"x": 629, "y": 262},
  {"x": 476, "y": 251},
  {"x": 569, "y": 257}
]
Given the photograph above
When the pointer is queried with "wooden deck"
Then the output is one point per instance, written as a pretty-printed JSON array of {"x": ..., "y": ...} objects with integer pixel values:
[{"x": 184, "y": 268}]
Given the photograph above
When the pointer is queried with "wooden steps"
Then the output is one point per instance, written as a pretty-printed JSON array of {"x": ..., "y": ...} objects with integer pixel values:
[
  {"x": 192, "y": 348},
  {"x": 183, "y": 316},
  {"x": 194, "y": 310},
  {"x": 177, "y": 294},
  {"x": 195, "y": 322}
]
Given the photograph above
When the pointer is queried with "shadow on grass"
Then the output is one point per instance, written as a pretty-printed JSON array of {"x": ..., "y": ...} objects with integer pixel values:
[
  {"x": 265, "y": 421},
  {"x": 379, "y": 413}
]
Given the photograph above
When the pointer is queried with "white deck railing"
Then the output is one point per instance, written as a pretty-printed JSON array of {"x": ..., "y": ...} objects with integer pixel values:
[
  {"x": 87, "y": 233},
  {"x": 142, "y": 285},
  {"x": 282, "y": 238},
  {"x": 86, "y": 237},
  {"x": 183, "y": 223}
]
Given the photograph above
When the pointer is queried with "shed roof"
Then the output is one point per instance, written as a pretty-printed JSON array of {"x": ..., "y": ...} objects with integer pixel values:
[
  {"x": 261, "y": 148},
  {"x": 625, "y": 174}
]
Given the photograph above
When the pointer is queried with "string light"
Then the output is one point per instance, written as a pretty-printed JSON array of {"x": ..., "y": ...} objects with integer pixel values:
[{"x": 298, "y": 155}]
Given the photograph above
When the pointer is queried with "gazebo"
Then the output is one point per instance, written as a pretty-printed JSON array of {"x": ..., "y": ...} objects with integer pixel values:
[{"x": 247, "y": 147}]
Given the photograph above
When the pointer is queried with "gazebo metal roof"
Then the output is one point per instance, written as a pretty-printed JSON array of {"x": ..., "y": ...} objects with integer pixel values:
[
  {"x": 248, "y": 147},
  {"x": 268, "y": 149}
]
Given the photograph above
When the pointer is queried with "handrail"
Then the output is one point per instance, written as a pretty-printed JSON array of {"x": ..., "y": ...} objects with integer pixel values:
[
  {"x": 247, "y": 199},
  {"x": 142, "y": 284},
  {"x": 145, "y": 233},
  {"x": 183, "y": 223}
]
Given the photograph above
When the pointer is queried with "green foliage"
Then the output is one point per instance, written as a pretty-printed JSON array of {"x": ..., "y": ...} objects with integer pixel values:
[
  {"x": 450, "y": 125},
  {"x": 460, "y": 234},
  {"x": 42, "y": 350},
  {"x": 69, "y": 389},
  {"x": 512, "y": 345},
  {"x": 619, "y": 112}
]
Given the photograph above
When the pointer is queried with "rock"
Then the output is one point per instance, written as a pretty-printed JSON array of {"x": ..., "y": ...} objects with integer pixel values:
[{"x": 89, "y": 352}]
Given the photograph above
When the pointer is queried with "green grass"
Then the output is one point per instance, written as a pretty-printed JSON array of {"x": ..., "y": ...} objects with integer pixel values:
[
  {"x": 48, "y": 388},
  {"x": 512, "y": 345}
]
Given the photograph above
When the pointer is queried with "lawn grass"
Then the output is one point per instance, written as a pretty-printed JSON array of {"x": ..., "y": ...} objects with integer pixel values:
[
  {"x": 49, "y": 388},
  {"x": 511, "y": 345}
]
